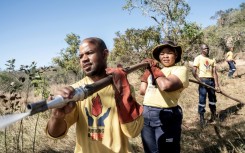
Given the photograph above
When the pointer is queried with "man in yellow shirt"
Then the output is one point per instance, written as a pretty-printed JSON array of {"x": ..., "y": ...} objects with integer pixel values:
[
  {"x": 208, "y": 75},
  {"x": 230, "y": 60},
  {"x": 106, "y": 119}
]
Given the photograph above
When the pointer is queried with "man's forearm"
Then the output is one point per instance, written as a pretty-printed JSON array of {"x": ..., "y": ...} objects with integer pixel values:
[
  {"x": 197, "y": 77},
  {"x": 194, "y": 73},
  {"x": 56, "y": 127},
  {"x": 216, "y": 78}
]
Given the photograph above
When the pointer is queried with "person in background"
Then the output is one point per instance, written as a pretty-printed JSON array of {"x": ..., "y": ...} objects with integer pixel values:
[
  {"x": 119, "y": 65},
  {"x": 207, "y": 74},
  {"x": 106, "y": 119},
  {"x": 161, "y": 89},
  {"x": 231, "y": 62}
]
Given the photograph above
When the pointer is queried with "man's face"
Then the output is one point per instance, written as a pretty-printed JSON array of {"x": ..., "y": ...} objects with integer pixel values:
[
  {"x": 205, "y": 50},
  {"x": 92, "y": 60}
]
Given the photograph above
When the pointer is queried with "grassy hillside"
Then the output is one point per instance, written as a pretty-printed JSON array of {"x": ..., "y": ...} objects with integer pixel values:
[{"x": 227, "y": 134}]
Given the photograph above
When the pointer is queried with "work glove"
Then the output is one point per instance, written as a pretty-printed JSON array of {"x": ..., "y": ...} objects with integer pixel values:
[
  {"x": 153, "y": 68},
  {"x": 127, "y": 107}
]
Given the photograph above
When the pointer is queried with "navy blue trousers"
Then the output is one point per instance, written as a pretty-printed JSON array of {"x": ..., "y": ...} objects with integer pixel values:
[
  {"x": 162, "y": 129},
  {"x": 203, "y": 92},
  {"x": 232, "y": 68}
]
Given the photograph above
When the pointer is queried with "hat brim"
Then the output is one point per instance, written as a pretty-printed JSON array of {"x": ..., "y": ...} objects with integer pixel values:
[{"x": 156, "y": 51}]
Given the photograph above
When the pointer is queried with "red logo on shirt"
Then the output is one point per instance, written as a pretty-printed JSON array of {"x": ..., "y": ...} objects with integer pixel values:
[
  {"x": 96, "y": 106},
  {"x": 207, "y": 65},
  {"x": 96, "y": 131}
]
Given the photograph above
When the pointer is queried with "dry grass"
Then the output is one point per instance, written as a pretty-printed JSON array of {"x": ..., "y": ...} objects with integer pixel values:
[{"x": 226, "y": 135}]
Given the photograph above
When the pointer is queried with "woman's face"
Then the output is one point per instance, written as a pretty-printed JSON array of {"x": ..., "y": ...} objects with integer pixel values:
[{"x": 167, "y": 57}]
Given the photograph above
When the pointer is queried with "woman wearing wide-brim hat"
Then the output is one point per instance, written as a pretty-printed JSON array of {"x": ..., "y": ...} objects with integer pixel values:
[{"x": 161, "y": 90}]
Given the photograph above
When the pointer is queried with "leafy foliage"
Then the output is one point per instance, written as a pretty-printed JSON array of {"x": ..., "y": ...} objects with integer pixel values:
[
  {"x": 170, "y": 17},
  {"x": 191, "y": 37},
  {"x": 137, "y": 43},
  {"x": 168, "y": 14},
  {"x": 10, "y": 65},
  {"x": 68, "y": 59},
  {"x": 37, "y": 81},
  {"x": 10, "y": 81},
  {"x": 229, "y": 31}
]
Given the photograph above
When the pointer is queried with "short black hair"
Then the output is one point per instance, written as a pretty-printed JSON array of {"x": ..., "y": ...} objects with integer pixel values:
[
  {"x": 97, "y": 42},
  {"x": 203, "y": 46}
]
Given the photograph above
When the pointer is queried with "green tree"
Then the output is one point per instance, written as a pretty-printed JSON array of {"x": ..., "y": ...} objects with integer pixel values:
[
  {"x": 10, "y": 81},
  {"x": 229, "y": 31},
  {"x": 68, "y": 59},
  {"x": 134, "y": 45},
  {"x": 10, "y": 65},
  {"x": 191, "y": 37},
  {"x": 168, "y": 14}
]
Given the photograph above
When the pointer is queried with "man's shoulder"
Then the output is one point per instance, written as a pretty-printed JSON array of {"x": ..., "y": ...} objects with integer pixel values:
[
  {"x": 198, "y": 56},
  {"x": 229, "y": 53},
  {"x": 197, "y": 60},
  {"x": 82, "y": 82}
]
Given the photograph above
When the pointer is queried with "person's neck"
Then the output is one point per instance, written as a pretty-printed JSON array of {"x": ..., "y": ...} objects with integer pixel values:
[
  {"x": 204, "y": 55},
  {"x": 98, "y": 77},
  {"x": 167, "y": 66}
]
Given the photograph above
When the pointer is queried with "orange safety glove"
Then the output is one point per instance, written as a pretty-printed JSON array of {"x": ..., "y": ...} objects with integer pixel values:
[
  {"x": 152, "y": 69},
  {"x": 127, "y": 107}
]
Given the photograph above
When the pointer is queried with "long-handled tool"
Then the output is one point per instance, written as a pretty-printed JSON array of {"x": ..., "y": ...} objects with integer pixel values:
[
  {"x": 80, "y": 93},
  {"x": 221, "y": 92}
]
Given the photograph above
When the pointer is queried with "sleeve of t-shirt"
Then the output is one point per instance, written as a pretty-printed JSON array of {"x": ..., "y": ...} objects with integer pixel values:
[
  {"x": 214, "y": 62},
  {"x": 70, "y": 119},
  {"x": 196, "y": 62},
  {"x": 134, "y": 128},
  {"x": 182, "y": 73},
  {"x": 227, "y": 55},
  {"x": 54, "y": 138}
]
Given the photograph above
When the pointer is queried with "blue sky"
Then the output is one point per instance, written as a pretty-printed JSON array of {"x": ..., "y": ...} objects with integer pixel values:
[{"x": 35, "y": 30}]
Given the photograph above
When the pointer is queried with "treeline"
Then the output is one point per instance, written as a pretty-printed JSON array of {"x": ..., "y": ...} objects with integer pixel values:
[
  {"x": 133, "y": 45},
  {"x": 136, "y": 44}
]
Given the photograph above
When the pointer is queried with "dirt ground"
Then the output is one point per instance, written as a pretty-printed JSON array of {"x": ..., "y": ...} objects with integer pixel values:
[{"x": 227, "y": 134}]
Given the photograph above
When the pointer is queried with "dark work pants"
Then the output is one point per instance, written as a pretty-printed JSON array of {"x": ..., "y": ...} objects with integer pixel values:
[
  {"x": 203, "y": 91},
  {"x": 232, "y": 68},
  {"x": 162, "y": 129}
]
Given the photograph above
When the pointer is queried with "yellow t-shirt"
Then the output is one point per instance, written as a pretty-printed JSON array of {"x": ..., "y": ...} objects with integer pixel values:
[
  {"x": 205, "y": 66},
  {"x": 229, "y": 56},
  {"x": 154, "y": 97},
  {"x": 97, "y": 124}
]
